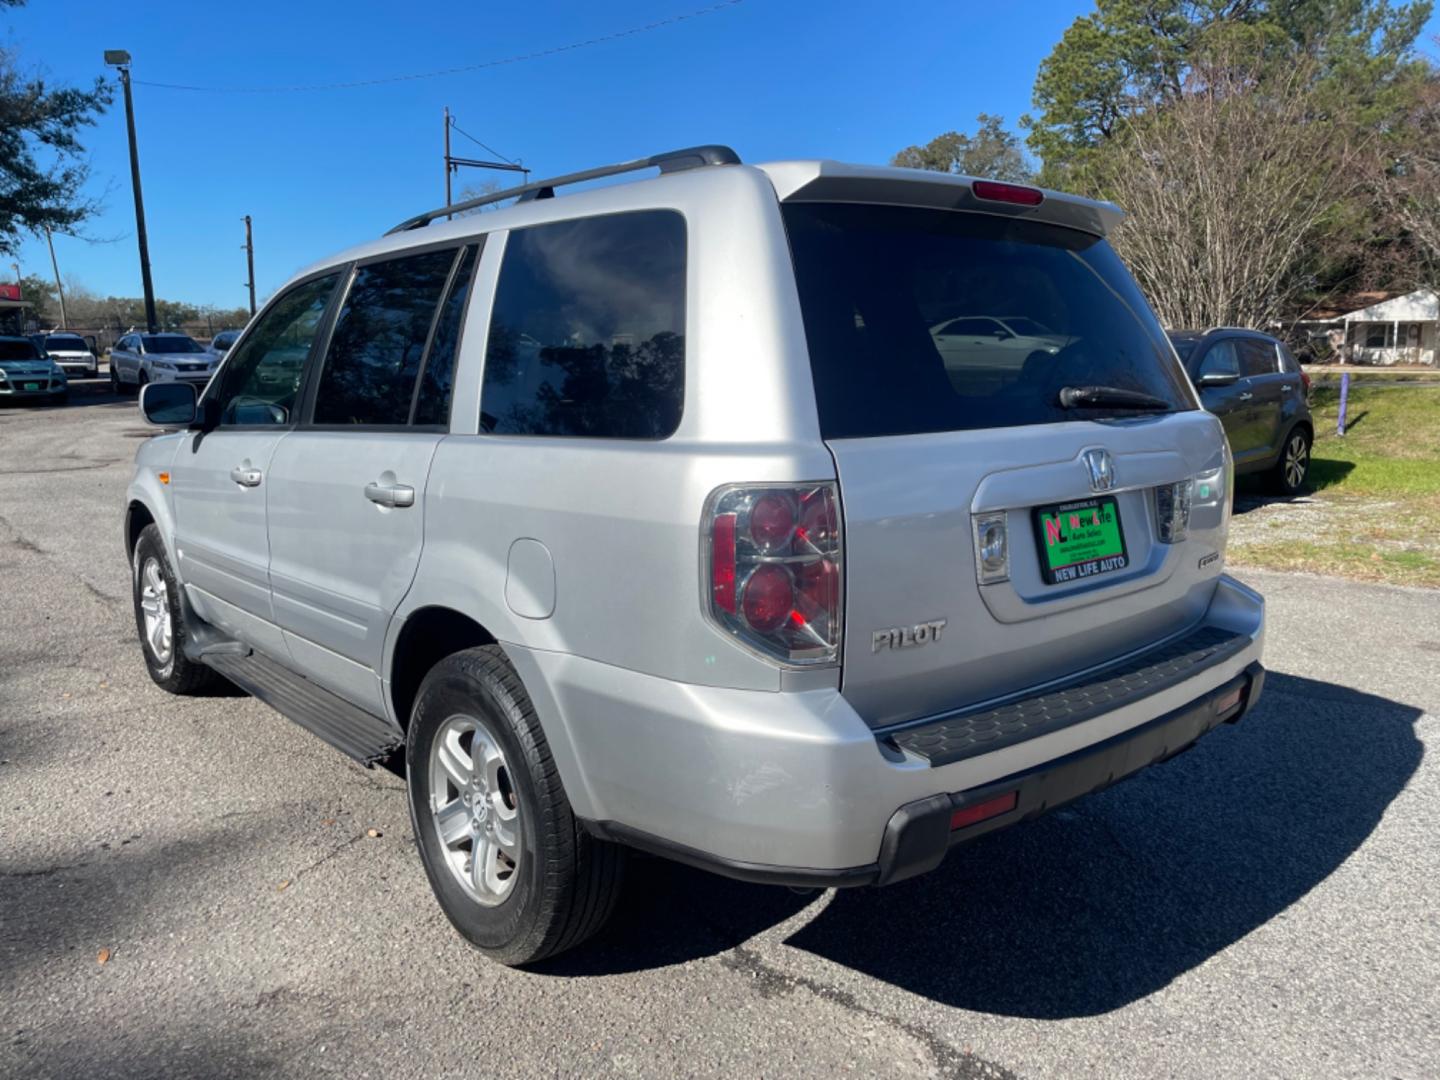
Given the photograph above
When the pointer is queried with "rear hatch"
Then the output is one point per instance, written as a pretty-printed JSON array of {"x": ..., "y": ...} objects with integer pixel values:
[{"x": 1015, "y": 444}]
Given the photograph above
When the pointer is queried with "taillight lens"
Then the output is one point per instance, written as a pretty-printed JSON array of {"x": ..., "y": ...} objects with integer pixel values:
[
  {"x": 998, "y": 191},
  {"x": 774, "y": 569}
]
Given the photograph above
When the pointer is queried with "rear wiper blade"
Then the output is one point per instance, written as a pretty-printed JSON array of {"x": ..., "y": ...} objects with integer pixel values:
[{"x": 1110, "y": 397}]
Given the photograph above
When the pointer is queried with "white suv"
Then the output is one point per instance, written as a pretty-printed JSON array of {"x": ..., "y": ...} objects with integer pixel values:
[
  {"x": 138, "y": 359},
  {"x": 655, "y": 516}
]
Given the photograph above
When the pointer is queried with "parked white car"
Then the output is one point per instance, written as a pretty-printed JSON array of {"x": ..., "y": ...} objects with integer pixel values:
[
  {"x": 221, "y": 342},
  {"x": 138, "y": 359},
  {"x": 73, "y": 353}
]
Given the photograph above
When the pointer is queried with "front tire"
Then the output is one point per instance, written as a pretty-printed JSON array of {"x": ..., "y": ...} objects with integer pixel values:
[
  {"x": 115, "y": 387},
  {"x": 160, "y": 619},
  {"x": 512, "y": 869},
  {"x": 1293, "y": 469}
]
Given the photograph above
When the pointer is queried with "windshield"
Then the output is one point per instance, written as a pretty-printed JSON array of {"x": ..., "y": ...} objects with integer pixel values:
[
  {"x": 1183, "y": 347},
  {"x": 18, "y": 350},
  {"x": 66, "y": 343},
  {"x": 177, "y": 344},
  {"x": 923, "y": 320}
]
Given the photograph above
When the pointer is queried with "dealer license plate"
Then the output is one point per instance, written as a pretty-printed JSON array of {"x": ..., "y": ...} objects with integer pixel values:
[
  {"x": 32, "y": 386},
  {"x": 1079, "y": 540}
]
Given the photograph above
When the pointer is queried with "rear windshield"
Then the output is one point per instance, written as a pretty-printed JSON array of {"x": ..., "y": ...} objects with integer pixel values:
[{"x": 924, "y": 320}]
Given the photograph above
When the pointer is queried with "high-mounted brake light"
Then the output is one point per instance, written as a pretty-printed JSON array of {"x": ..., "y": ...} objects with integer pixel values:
[
  {"x": 773, "y": 568},
  {"x": 997, "y": 191}
]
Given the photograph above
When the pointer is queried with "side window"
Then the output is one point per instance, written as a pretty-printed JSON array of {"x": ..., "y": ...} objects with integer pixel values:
[
  {"x": 1220, "y": 359},
  {"x": 1257, "y": 357},
  {"x": 374, "y": 355},
  {"x": 972, "y": 328},
  {"x": 262, "y": 376},
  {"x": 432, "y": 402},
  {"x": 587, "y": 337}
]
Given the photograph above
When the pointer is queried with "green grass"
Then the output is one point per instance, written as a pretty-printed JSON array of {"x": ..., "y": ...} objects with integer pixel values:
[{"x": 1378, "y": 490}]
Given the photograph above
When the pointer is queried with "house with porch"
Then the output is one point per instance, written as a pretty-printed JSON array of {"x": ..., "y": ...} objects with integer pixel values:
[{"x": 1401, "y": 330}]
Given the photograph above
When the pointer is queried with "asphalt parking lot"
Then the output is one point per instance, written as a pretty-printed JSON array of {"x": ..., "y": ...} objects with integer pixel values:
[{"x": 1267, "y": 905}]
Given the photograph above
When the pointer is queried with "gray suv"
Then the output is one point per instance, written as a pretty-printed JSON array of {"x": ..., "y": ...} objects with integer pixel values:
[
  {"x": 656, "y": 516},
  {"x": 1254, "y": 384}
]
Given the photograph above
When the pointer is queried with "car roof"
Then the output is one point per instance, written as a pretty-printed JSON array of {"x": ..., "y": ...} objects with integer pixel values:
[{"x": 791, "y": 181}]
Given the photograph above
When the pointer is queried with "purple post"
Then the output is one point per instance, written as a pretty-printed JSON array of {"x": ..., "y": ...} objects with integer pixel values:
[{"x": 1344, "y": 398}]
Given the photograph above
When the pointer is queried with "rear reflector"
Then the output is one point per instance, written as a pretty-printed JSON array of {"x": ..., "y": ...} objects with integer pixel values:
[
  {"x": 983, "y": 811},
  {"x": 1229, "y": 701},
  {"x": 996, "y": 191}
]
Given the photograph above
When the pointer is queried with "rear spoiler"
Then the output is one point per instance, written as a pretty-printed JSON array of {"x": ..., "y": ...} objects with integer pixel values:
[{"x": 834, "y": 181}]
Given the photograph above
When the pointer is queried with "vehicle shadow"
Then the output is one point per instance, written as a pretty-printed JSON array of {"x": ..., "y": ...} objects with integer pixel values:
[{"x": 1097, "y": 905}]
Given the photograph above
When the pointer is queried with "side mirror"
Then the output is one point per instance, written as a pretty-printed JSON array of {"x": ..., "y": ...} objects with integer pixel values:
[
  {"x": 168, "y": 405},
  {"x": 1218, "y": 378}
]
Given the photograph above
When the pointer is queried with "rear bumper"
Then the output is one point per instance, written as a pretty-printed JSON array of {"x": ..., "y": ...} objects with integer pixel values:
[{"x": 795, "y": 787}]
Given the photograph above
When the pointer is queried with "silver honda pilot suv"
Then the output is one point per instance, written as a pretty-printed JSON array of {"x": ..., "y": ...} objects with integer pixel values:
[{"x": 797, "y": 521}]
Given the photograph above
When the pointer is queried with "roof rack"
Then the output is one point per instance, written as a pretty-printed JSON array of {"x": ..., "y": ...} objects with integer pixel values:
[{"x": 693, "y": 157}]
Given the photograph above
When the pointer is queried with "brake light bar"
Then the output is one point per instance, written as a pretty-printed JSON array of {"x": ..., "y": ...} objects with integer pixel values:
[{"x": 998, "y": 191}]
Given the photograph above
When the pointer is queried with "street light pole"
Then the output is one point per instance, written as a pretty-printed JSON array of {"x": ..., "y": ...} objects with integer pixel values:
[{"x": 119, "y": 58}]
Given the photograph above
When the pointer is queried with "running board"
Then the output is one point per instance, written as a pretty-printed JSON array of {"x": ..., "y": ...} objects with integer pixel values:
[{"x": 347, "y": 727}]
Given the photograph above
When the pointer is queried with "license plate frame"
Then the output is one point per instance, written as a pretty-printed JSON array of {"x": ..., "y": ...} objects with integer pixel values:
[{"x": 1101, "y": 539}]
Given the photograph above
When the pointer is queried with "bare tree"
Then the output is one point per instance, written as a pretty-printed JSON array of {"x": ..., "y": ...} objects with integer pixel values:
[{"x": 1229, "y": 187}]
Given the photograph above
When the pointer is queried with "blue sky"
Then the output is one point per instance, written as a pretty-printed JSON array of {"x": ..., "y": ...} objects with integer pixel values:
[{"x": 324, "y": 169}]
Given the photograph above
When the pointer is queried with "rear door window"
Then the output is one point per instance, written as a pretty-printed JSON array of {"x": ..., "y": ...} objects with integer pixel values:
[
  {"x": 587, "y": 334},
  {"x": 375, "y": 351},
  {"x": 883, "y": 288},
  {"x": 1257, "y": 357}
]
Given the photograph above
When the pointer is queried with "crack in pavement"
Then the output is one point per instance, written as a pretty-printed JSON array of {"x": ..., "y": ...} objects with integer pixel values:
[{"x": 772, "y": 982}]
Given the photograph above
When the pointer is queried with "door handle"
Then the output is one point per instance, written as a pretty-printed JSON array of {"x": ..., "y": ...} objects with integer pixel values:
[
  {"x": 245, "y": 477},
  {"x": 396, "y": 495},
  {"x": 1246, "y": 395}
]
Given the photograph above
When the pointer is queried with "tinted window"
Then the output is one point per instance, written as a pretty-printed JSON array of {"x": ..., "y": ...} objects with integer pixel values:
[
  {"x": 379, "y": 340},
  {"x": 262, "y": 376},
  {"x": 1222, "y": 358},
  {"x": 432, "y": 405},
  {"x": 587, "y": 337},
  {"x": 876, "y": 282},
  {"x": 1257, "y": 357},
  {"x": 972, "y": 328},
  {"x": 66, "y": 344},
  {"x": 18, "y": 350},
  {"x": 177, "y": 344}
]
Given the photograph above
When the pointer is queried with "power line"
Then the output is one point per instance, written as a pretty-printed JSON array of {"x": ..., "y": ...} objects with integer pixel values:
[{"x": 537, "y": 55}]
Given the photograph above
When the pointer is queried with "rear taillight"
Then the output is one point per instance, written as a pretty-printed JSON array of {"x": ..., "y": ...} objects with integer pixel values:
[
  {"x": 1305, "y": 382},
  {"x": 773, "y": 569},
  {"x": 1172, "y": 510}
]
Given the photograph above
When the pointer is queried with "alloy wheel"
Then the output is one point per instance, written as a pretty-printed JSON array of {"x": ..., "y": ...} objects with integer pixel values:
[
  {"x": 474, "y": 809},
  {"x": 1297, "y": 456},
  {"x": 155, "y": 607}
]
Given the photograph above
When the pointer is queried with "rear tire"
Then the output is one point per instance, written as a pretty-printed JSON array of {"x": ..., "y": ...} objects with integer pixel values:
[
  {"x": 160, "y": 619},
  {"x": 1293, "y": 469},
  {"x": 512, "y": 869}
]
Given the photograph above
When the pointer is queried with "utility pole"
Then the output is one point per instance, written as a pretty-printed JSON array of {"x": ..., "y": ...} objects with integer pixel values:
[
  {"x": 59, "y": 289},
  {"x": 250, "y": 263},
  {"x": 448, "y": 167},
  {"x": 119, "y": 58}
]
